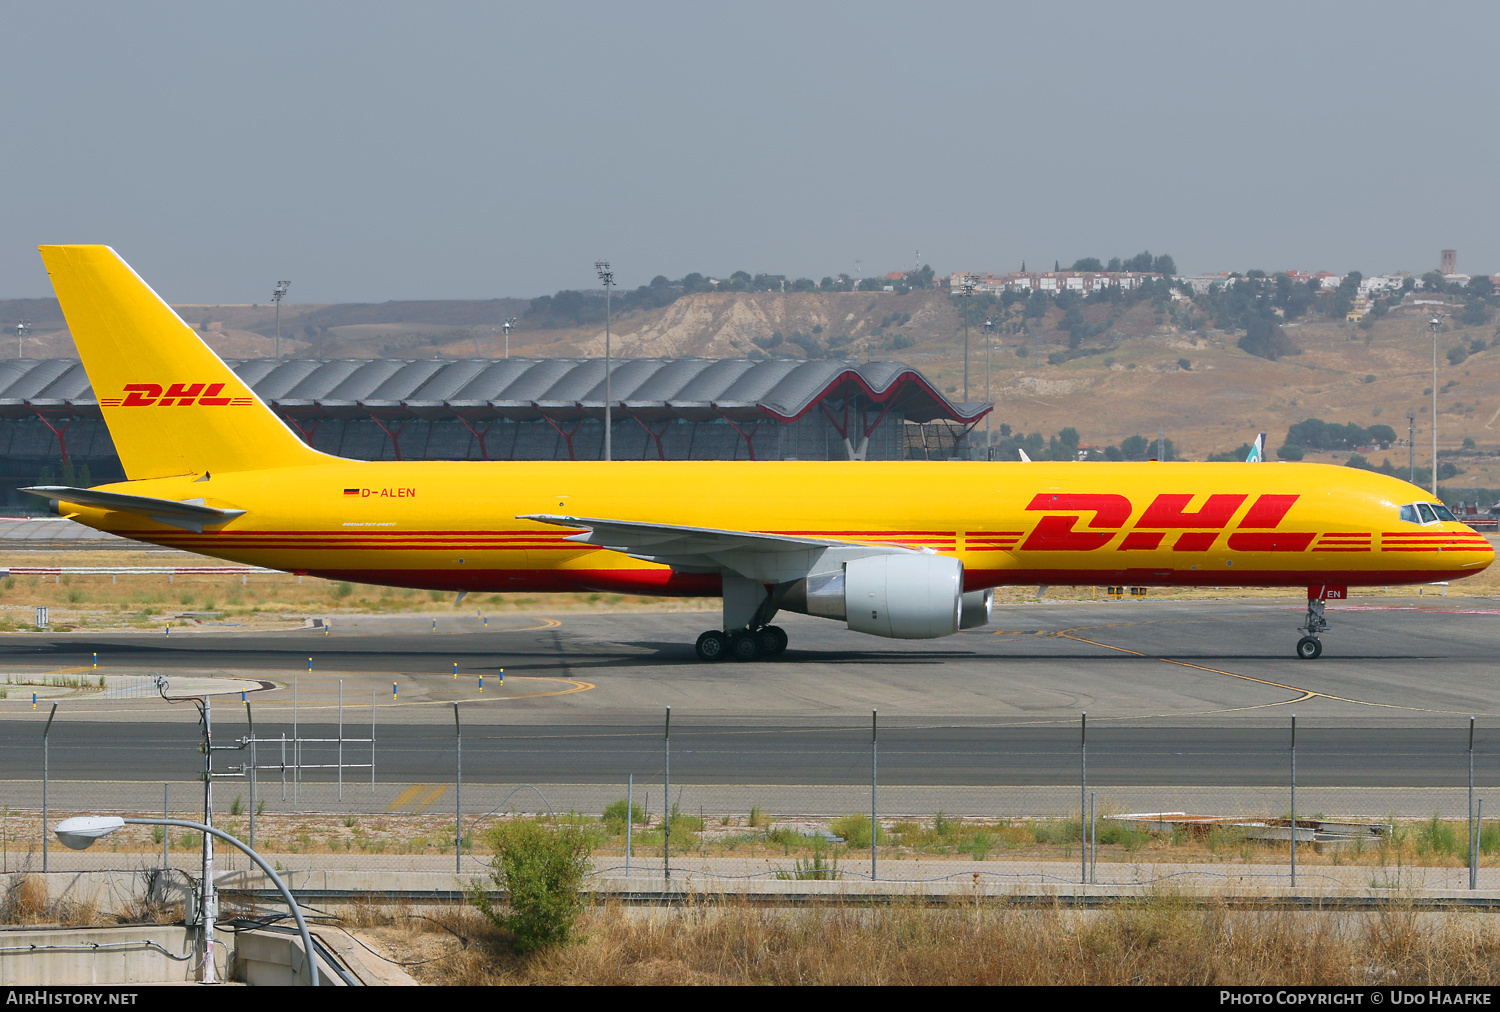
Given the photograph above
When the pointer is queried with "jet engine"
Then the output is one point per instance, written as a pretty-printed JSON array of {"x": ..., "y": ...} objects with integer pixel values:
[{"x": 904, "y": 597}]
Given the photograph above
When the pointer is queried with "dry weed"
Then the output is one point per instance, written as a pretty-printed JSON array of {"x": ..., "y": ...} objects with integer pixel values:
[
  {"x": 25, "y": 900},
  {"x": 1164, "y": 940}
]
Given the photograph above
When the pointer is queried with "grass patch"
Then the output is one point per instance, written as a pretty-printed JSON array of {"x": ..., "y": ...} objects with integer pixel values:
[{"x": 855, "y": 829}]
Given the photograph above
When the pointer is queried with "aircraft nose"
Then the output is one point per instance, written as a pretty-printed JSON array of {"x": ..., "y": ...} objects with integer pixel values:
[{"x": 1468, "y": 552}]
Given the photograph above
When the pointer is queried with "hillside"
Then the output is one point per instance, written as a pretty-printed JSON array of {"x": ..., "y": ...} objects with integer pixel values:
[{"x": 1128, "y": 380}]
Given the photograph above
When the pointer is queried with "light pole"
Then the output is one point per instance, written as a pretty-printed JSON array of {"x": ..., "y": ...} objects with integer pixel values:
[
  {"x": 22, "y": 328},
  {"x": 276, "y": 297},
  {"x": 966, "y": 291},
  {"x": 511, "y": 322},
  {"x": 1437, "y": 321},
  {"x": 1411, "y": 445},
  {"x": 458, "y": 796},
  {"x": 606, "y": 276},
  {"x": 989, "y": 336},
  {"x": 46, "y": 776},
  {"x": 80, "y": 833}
]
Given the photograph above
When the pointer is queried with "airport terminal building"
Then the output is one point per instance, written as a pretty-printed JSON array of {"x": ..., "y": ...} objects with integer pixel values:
[{"x": 51, "y": 430}]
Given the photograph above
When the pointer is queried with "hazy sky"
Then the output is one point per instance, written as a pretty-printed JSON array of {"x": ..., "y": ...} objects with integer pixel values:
[{"x": 440, "y": 150}]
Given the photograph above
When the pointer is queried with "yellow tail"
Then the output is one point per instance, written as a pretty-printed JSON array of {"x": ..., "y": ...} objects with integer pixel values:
[{"x": 172, "y": 406}]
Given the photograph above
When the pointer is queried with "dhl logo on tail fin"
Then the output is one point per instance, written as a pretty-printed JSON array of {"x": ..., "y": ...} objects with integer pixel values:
[
  {"x": 146, "y": 395},
  {"x": 138, "y": 353}
]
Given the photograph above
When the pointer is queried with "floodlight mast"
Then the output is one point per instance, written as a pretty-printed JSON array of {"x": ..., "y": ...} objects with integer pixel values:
[
  {"x": 22, "y": 329},
  {"x": 966, "y": 291},
  {"x": 1411, "y": 445},
  {"x": 1436, "y": 322},
  {"x": 607, "y": 277},
  {"x": 989, "y": 337},
  {"x": 276, "y": 297},
  {"x": 505, "y": 329}
]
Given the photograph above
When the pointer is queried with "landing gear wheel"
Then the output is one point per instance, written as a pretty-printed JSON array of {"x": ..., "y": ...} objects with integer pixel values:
[
  {"x": 713, "y": 646},
  {"x": 772, "y": 641},
  {"x": 743, "y": 646},
  {"x": 1309, "y": 648}
]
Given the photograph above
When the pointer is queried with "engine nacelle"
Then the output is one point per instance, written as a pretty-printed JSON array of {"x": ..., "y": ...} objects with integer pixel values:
[{"x": 906, "y": 597}]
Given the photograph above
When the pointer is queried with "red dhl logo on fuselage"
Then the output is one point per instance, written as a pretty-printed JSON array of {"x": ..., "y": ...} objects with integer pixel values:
[
  {"x": 1168, "y": 513},
  {"x": 147, "y": 395}
]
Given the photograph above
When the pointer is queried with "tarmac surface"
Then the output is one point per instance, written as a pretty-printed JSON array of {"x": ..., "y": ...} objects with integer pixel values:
[{"x": 1184, "y": 692}]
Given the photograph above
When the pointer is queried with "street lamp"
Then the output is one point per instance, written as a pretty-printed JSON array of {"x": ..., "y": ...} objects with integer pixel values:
[
  {"x": 607, "y": 277},
  {"x": 1434, "y": 324},
  {"x": 276, "y": 297},
  {"x": 989, "y": 336},
  {"x": 80, "y": 833},
  {"x": 22, "y": 328}
]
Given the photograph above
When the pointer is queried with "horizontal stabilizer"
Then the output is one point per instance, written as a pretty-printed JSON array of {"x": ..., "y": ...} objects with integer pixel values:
[{"x": 190, "y": 514}]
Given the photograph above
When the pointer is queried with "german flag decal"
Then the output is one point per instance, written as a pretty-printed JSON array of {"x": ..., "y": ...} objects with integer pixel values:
[{"x": 351, "y": 491}]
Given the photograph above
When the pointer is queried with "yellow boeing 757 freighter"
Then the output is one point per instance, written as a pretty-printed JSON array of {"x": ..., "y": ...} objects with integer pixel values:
[{"x": 897, "y": 549}]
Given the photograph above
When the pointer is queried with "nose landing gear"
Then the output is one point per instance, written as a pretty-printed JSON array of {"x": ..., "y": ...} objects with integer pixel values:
[{"x": 1309, "y": 647}]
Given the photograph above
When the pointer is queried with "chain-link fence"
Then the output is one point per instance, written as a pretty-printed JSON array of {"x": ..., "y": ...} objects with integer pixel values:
[{"x": 715, "y": 800}]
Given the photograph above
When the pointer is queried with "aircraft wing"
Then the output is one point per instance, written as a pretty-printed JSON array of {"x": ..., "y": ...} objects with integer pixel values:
[
  {"x": 190, "y": 514},
  {"x": 766, "y": 557}
]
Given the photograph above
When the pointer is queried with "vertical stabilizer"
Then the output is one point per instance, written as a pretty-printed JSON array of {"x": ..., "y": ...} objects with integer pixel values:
[
  {"x": 172, "y": 406},
  {"x": 1257, "y": 452}
]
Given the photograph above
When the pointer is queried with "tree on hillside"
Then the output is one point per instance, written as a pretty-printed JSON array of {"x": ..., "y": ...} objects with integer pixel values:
[
  {"x": 1316, "y": 434},
  {"x": 1114, "y": 265},
  {"x": 1432, "y": 281},
  {"x": 1164, "y": 264},
  {"x": 1343, "y": 296},
  {"x": 1264, "y": 338},
  {"x": 921, "y": 278},
  {"x": 1141, "y": 263},
  {"x": 1475, "y": 314},
  {"x": 1064, "y": 445},
  {"x": 1140, "y": 448},
  {"x": 1087, "y": 264},
  {"x": 1239, "y": 453},
  {"x": 1076, "y": 326},
  {"x": 1292, "y": 298}
]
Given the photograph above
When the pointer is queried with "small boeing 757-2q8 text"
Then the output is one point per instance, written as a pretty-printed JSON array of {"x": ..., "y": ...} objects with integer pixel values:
[{"x": 895, "y": 549}]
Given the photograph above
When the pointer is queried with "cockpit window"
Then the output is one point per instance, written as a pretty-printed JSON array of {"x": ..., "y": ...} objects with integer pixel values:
[{"x": 1426, "y": 513}]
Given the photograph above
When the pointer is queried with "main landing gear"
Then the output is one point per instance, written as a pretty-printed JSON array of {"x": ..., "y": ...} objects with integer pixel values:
[
  {"x": 1309, "y": 647},
  {"x": 748, "y": 610},
  {"x": 742, "y": 644}
]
